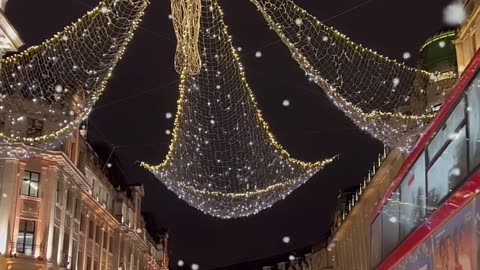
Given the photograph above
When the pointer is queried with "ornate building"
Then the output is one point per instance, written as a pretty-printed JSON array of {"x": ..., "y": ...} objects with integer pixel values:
[{"x": 60, "y": 210}]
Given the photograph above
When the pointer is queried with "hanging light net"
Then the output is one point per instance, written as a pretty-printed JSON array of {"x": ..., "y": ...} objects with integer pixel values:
[
  {"x": 223, "y": 160},
  {"x": 378, "y": 94},
  {"x": 47, "y": 90}
]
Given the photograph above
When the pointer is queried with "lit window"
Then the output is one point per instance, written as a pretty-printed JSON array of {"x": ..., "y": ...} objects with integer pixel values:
[
  {"x": 30, "y": 184},
  {"x": 26, "y": 237}
]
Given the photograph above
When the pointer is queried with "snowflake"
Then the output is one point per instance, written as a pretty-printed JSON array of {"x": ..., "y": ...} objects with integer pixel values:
[
  {"x": 104, "y": 10},
  {"x": 396, "y": 81},
  {"x": 442, "y": 44},
  {"x": 58, "y": 88},
  {"x": 195, "y": 266},
  {"x": 298, "y": 21},
  {"x": 239, "y": 49},
  {"x": 291, "y": 257},
  {"x": 168, "y": 132},
  {"x": 325, "y": 38},
  {"x": 455, "y": 172},
  {"x": 180, "y": 263},
  {"x": 454, "y": 14},
  {"x": 406, "y": 55},
  {"x": 4, "y": 195},
  {"x": 109, "y": 165},
  {"x": 168, "y": 115},
  {"x": 286, "y": 103},
  {"x": 64, "y": 37},
  {"x": 258, "y": 54},
  {"x": 286, "y": 239},
  {"x": 393, "y": 219},
  {"x": 170, "y": 16},
  {"x": 139, "y": 231}
]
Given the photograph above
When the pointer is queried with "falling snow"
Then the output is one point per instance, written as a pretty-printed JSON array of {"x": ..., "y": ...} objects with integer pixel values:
[
  {"x": 170, "y": 16},
  {"x": 168, "y": 132},
  {"x": 325, "y": 38},
  {"x": 286, "y": 239},
  {"x": 442, "y": 44},
  {"x": 58, "y": 88},
  {"x": 180, "y": 263},
  {"x": 109, "y": 165},
  {"x": 168, "y": 115},
  {"x": 396, "y": 81},
  {"x": 139, "y": 231},
  {"x": 258, "y": 54},
  {"x": 291, "y": 257},
  {"x": 406, "y": 55},
  {"x": 298, "y": 21},
  {"x": 455, "y": 172},
  {"x": 195, "y": 266},
  {"x": 239, "y": 49},
  {"x": 393, "y": 219},
  {"x": 454, "y": 14},
  {"x": 286, "y": 103}
]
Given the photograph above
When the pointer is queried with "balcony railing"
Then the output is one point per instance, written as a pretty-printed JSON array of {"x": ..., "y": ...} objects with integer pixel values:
[{"x": 21, "y": 250}]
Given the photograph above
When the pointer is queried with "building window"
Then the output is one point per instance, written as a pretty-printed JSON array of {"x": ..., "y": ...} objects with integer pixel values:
[
  {"x": 59, "y": 193},
  {"x": 105, "y": 240},
  {"x": 34, "y": 128},
  {"x": 69, "y": 200},
  {"x": 89, "y": 262},
  {"x": 26, "y": 237},
  {"x": 98, "y": 235},
  {"x": 77, "y": 208},
  {"x": 80, "y": 260},
  {"x": 82, "y": 222},
  {"x": 30, "y": 184},
  {"x": 90, "y": 229},
  {"x": 110, "y": 245}
]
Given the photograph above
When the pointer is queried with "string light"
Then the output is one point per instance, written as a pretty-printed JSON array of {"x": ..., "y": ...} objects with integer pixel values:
[
  {"x": 372, "y": 90},
  {"x": 52, "y": 87},
  {"x": 223, "y": 159}
]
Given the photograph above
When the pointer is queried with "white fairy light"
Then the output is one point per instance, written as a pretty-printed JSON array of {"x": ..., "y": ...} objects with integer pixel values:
[
  {"x": 324, "y": 54},
  {"x": 223, "y": 160},
  {"x": 298, "y": 21},
  {"x": 58, "y": 76}
]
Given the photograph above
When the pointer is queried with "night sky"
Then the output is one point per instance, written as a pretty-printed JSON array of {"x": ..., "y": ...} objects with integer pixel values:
[{"x": 131, "y": 114}]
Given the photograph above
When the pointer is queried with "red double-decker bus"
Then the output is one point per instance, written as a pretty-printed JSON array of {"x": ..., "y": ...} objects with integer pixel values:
[{"x": 430, "y": 216}]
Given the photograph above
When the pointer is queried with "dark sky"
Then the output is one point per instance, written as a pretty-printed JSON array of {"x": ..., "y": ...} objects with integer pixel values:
[{"x": 131, "y": 114}]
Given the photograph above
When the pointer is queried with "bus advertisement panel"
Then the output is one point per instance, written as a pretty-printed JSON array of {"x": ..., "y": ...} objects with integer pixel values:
[{"x": 454, "y": 242}]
